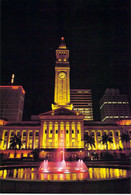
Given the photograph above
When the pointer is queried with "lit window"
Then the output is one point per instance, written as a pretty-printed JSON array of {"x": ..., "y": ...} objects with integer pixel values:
[
  {"x": 24, "y": 134},
  {"x": 30, "y": 134},
  {"x": 98, "y": 134},
  {"x": 12, "y": 133},
  {"x": 37, "y": 134},
  {"x": 18, "y": 133}
]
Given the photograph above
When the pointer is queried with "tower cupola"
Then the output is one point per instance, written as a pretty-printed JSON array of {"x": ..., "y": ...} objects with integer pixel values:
[{"x": 62, "y": 53}]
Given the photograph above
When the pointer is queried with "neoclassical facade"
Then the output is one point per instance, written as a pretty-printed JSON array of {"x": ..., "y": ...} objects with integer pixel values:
[
  {"x": 51, "y": 129},
  {"x": 62, "y": 127}
]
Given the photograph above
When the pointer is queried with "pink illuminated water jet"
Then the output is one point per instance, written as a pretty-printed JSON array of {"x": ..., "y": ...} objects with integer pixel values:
[{"x": 63, "y": 166}]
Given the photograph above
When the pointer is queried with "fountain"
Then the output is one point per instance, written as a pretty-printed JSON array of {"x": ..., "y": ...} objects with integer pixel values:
[{"x": 63, "y": 166}]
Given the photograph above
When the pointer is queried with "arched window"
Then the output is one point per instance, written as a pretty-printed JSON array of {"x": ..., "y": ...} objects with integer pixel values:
[
  {"x": 24, "y": 134},
  {"x": 37, "y": 134},
  {"x": 18, "y": 133},
  {"x": 98, "y": 134},
  {"x": 30, "y": 134},
  {"x": 12, "y": 133},
  {"x": 110, "y": 133}
]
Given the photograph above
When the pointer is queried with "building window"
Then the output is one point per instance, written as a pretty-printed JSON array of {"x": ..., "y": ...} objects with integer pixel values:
[
  {"x": 12, "y": 133},
  {"x": 98, "y": 134},
  {"x": 30, "y": 134},
  {"x": 77, "y": 131},
  {"x": 6, "y": 133},
  {"x": 45, "y": 131},
  {"x": 56, "y": 131},
  {"x": 37, "y": 134},
  {"x": 66, "y": 131},
  {"x": 24, "y": 134},
  {"x": 18, "y": 133},
  {"x": 116, "y": 133},
  {"x": 50, "y": 131},
  {"x": 72, "y": 131},
  {"x": 110, "y": 133}
]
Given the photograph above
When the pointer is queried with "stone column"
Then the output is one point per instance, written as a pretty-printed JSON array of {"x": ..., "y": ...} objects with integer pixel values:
[
  {"x": 96, "y": 140},
  {"x": 59, "y": 129},
  {"x": 65, "y": 134},
  {"x": 27, "y": 139},
  {"x": 33, "y": 139},
  {"x": 47, "y": 135},
  {"x": 76, "y": 135},
  {"x": 41, "y": 133},
  {"x": 82, "y": 133},
  {"x": 114, "y": 140},
  {"x": 70, "y": 134},
  {"x": 8, "y": 140},
  {"x": 53, "y": 135}
]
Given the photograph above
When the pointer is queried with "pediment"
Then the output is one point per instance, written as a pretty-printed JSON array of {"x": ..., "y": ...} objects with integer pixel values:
[{"x": 60, "y": 112}]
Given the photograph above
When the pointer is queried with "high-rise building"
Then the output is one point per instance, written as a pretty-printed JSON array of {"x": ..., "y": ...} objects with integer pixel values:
[
  {"x": 114, "y": 106},
  {"x": 12, "y": 102},
  {"x": 82, "y": 102}
]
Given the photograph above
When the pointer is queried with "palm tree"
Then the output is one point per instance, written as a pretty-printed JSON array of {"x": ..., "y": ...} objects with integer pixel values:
[
  {"x": 105, "y": 139},
  {"x": 15, "y": 140},
  {"x": 88, "y": 140},
  {"x": 125, "y": 138}
]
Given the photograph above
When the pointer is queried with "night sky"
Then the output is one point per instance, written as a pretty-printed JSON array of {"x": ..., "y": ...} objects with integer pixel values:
[{"x": 96, "y": 32}]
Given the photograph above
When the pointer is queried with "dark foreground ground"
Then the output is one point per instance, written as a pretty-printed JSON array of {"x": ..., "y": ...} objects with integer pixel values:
[
  {"x": 110, "y": 186},
  {"x": 99, "y": 186}
]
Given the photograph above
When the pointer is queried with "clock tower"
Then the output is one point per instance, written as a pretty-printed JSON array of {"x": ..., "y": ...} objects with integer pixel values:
[{"x": 62, "y": 78}]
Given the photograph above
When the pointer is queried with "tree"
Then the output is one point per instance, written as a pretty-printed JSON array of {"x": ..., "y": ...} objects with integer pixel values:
[
  {"x": 35, "y": 153},
  {"x": 105, "y": 139},
  {"x": 125, "y": 138},
  {"x": 88, "y": 140},
  {"x": 15, "y": 140}
]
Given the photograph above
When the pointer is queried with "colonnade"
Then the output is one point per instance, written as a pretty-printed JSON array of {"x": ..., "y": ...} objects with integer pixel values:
[
  {"x": 29, "y": 138},
  {"x": 97, "y": 135},
  {"x": 53, "y": 133}
]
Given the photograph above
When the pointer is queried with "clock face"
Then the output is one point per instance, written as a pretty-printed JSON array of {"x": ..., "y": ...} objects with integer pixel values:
[{"x": 62, "y": 75}]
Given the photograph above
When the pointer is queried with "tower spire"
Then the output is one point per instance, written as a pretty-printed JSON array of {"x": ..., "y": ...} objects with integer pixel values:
[{"x": 62, "y": 43}]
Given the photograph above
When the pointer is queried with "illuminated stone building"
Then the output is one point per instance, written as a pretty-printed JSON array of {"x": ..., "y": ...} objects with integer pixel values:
[
  {"x": 82, "y": 102},
  {"x": 114, "y": 106},
  {"x": 12, "y": 102},
  {"x": 62, "y": 126}
]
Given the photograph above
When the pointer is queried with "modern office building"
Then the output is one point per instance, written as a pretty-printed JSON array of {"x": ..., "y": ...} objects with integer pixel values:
[
  {"x": 61, "y": 127},
  {"x": 114, "y": 106},
  {"x": 12, "y": 102},
  {"x": 82, "y": 102}
]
